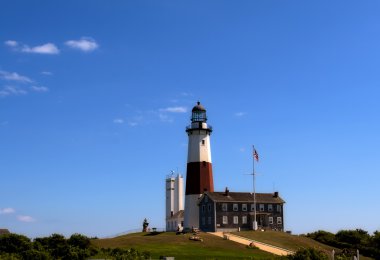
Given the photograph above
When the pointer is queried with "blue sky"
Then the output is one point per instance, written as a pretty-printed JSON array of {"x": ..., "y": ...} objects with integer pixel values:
[{"x": 95, "y": 98}]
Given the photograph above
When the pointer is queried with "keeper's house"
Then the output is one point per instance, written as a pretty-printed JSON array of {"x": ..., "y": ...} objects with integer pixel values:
[{"x": 229, "y": 211}]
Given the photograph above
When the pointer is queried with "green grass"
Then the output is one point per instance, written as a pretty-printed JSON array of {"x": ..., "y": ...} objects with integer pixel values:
[
  {"x": 284, "y": 240},
  {"x": 179, "y": 246},
  {"x": 288, "y": 241}
]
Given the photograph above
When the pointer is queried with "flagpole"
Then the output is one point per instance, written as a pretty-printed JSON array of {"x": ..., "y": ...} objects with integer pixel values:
[{"x": 254, "y": 189}]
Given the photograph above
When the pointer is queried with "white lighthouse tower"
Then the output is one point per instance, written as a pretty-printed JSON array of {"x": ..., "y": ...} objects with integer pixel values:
[
  {"x": 174, "y": 202},
  {"x": 199, "y": 167}
]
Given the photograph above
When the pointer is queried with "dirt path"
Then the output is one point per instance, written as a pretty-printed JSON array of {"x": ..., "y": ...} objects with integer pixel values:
[{"x": 245, "y": 241}]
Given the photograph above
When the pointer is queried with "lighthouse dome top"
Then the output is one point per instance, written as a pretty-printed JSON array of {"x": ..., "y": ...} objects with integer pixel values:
[{"x": 198, "y": 107}]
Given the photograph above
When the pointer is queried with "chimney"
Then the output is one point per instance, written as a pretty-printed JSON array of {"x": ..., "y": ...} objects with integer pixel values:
[
  {"x": 227, "y": 192},
  {"x": 275, "y": 194}
]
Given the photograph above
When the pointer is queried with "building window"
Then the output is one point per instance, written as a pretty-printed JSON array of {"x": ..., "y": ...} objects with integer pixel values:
[
  {"x": 270, "y": 219},
  {"x": 236, "y": 220},
  {"x": 244, "y": 207},
  {"x": 203, "y": 221},
  {"x": 224, "y": 207},
  {"x": 209, "y": 207},
  {"x": 203, "y": 142},
  {"x": 279, "y": 220},
  {"x": 244, "y": 219},
  {"x": 270, "y": 207},
  {"x": 225, "y": 220},
  {"x": 236, "y": 207},
  {"x": 261, "y": 207},
  {"x": 206, "y": 199},
  {"x": 209, "y": 220},
  {"x": 278, "y": 208},
  {"x": 203, "y": 208},
  {"x": 252, "y": 207}
]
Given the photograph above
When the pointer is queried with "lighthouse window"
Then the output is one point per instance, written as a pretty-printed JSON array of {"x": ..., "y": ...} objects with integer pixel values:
[
  {"x": 204, "y": 163},
  {"x": 203, "y": 142}
]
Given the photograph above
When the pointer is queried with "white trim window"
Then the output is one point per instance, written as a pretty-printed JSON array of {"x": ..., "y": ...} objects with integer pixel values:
[
  {"x": 225, "y": 220},
  {"x": 203, "y": 208},
  {"x": 278, "y": 208},
  {"x": 252, "y": 207},
  {"x": 279, "y": 220},
  {"x": 244, "y": 207},
  {"x": 235, "y": 207},
  {"x": 270, "y": 207},
  {"x": 261, "y": 207},
  {"x": 224, "y": 207},
  {"x": 209, "y": 207},
  {"x": 270, "y": 220},
  {"x": 244, "y": 219},
  {"x": 236, "y": 220}
]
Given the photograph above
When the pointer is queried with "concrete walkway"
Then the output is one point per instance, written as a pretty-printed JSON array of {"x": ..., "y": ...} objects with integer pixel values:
[{"x": 245, "y": 241}]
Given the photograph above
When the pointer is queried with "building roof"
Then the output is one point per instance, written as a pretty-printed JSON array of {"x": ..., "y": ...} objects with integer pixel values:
[
  {"x": 244, "y": 197},
  {"x": 177, "y": 215},
  {"x": 198, "y": 107},
  {"x": 4, "y": 231}
]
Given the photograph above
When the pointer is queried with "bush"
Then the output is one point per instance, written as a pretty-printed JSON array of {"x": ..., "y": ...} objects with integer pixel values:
[{"x": 308, "y": 254}]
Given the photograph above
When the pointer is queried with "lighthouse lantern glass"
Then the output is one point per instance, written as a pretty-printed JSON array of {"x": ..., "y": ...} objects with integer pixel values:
[{"x": 198, "y": 116}]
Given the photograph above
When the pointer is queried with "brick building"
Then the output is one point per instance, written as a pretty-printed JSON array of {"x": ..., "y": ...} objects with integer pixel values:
[{"x": 229, "y": 211}]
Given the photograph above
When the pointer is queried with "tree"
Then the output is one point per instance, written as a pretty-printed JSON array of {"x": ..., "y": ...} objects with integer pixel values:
[
  {"x": 14, "y": 243},
  {"x": 308, "y": 254}
]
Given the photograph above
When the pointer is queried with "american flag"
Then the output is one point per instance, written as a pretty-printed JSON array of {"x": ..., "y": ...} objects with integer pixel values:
[{"x": 255, "y": 154}]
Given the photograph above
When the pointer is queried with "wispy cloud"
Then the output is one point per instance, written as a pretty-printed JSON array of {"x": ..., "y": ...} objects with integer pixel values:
[
  {"x": 174, "y": 110},
  {"x": 240, "y": 114},
  {"x": 13, "y": 76},
  {"x": 84, "y": 44},
  {"x": 11, "y": 43},
  {"x": 7, "y": 211},
  {"x": 242, "y": 149},
  {"x": 118, "y": 121},
  {"x": 12, "y": 91},
  {"x": 39, "y": 89},
  {"x": 47, "y": 73},
  {"x": 24, "y": 218},
  {"x": 133, "y": 124},
  {"x": 47, "y": 48}
]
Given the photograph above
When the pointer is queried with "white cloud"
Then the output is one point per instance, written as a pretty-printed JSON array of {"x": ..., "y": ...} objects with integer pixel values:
[
  {"x": 7, "y": 211},
  {"x": 24, "y": 218},
  {"x": 47, "y": 73},
  {"x": 240, "y": 114},
  {"x": 39, "y": 89},
  {"x": 242, "y": 149},
  {"x": 174, "y": 109},
  {"x": 84, "y": 44},
  {"x": 12, "y": 90},
  {"x": 11, "y": 43},
  {"x": 47, "y": 48},
  {"x": 118, "y": 121},
  {"x": 132, "y": 124},
  {"x": 13, "y": 76}
]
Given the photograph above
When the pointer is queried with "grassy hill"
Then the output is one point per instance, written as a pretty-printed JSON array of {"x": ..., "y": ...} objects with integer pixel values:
[
  {"x": 179, "y": 246},
  {"x": 285, "y": 240},
  {"x": 170, "y": 244}
]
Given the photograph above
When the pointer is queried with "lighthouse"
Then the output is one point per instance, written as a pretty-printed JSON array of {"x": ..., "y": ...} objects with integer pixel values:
[{"x": 199, "y": 167}]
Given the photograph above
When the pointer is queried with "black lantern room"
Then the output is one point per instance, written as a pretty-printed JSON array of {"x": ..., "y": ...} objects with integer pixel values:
[{"x": 198, "y": 113}]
